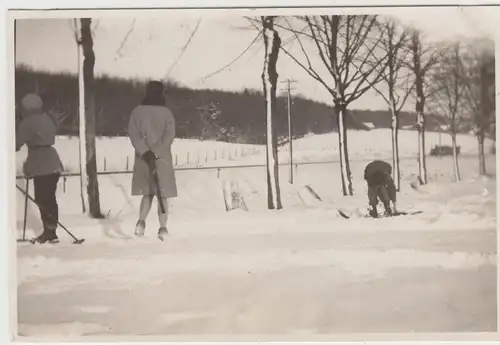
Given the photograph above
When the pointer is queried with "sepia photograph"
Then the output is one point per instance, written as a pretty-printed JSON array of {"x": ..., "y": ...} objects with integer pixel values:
[{"x": 305, "y": 172}]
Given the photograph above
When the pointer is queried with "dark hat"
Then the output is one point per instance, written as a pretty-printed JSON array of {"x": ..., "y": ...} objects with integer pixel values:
[
  {"x": 32, "y": 102},
  {"x": 154, "y": 87}
]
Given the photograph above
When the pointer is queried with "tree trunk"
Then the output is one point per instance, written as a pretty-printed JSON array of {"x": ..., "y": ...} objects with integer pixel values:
[
  {"x": 482, "y": 159},
  {"x": 422, "y": 169},
  {"x": 84, "y": 181},
  {"x": 272, "y": 44},
  {"x": 455, "y": 157},
  {"x": 87, "y": 44},
  {"x": 482, "y": 121},
  {"x": 419, "y": 107},
  {"x": 345, "y": 169},
  {"x": 395, "y": 148}
]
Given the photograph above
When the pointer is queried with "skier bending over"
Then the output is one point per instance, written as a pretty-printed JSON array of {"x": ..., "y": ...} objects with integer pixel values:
[
  {"x": 152, "y": 131},
  {"x": 380, "y": 186}
]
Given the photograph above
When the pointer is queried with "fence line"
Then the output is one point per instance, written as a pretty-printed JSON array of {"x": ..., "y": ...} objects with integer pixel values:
[{"x": 296, "y": 164}]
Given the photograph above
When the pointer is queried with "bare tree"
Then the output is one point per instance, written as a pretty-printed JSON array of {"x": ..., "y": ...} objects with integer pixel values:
[
  {"x": 272, "y": 43},
  {"x": 350, "y": 64},
  {"x": 398, "y": 81},
  {"x": 88, "y": 163},
  {"x": 480, "y": 93},
  {"x": 447, "y": 96},
  {"x": 423, "y": 58}
]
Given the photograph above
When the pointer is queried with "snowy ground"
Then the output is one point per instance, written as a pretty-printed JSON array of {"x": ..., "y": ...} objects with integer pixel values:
[{"x": 302, "y": 270}]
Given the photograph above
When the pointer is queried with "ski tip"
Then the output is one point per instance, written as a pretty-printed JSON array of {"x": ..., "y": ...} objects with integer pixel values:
[{"x": 345, "y": 216}]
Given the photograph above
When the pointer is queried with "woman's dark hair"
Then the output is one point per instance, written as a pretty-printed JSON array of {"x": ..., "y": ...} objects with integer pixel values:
[{"x": 154, "y": 94}]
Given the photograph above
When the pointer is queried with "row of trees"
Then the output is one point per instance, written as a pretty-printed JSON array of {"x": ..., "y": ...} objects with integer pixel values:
[
  {"x": 353, "y": 54},
  {"x": 357, "y": 53},
  {"x": 462, "y": 92}
]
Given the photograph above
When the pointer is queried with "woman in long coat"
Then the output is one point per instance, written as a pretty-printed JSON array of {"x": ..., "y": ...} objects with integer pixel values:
[
  {"x": 152, "y": 131},
  {"x": 37, "y": 130}
]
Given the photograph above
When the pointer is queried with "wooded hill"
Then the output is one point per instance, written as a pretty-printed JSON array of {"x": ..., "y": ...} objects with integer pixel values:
[{"x": 201, "y": 114}]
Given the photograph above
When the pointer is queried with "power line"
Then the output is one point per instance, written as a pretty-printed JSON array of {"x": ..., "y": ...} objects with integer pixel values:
[{"x": 232, "y": 62}]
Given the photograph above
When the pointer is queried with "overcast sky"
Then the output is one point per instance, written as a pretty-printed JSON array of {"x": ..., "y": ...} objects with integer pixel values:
[{"x": 147, "y": 47}]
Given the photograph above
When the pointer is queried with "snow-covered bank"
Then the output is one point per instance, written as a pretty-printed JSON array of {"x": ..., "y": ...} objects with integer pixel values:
[
  {"x": 117, "y": 154},
  {"x": 303, "y": 270}
]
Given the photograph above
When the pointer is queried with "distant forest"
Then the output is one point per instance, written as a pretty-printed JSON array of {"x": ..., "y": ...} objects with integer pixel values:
[{"x": 201, "y": 114}]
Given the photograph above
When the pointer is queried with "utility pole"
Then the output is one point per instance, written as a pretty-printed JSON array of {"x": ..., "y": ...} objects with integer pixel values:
[{"x": 289, "y": 102}]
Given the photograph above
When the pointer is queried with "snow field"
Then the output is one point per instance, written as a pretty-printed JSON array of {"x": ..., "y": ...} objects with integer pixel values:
[
  {"x": 117, "y": 154},
  {"x": 302, "y": 270}
]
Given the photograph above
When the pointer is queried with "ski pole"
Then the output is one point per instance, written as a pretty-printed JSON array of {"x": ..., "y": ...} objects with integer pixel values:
[
  {"x": 77, "y": 241},
  {"x": 25, "y": 210},
  {"x": 157, "y": 183}
]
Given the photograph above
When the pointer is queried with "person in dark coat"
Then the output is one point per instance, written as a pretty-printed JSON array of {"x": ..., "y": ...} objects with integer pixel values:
[
  {"x": 378, "y": 176},
  {"x": 37, "y": 130},
  {"x": 151, "y": 130}
]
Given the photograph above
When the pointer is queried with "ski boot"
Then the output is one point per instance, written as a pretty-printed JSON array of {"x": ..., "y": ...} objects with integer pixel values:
[
  {"x": 395, "y": 211},
  {"x": 388, "y": 211},
  {"x": 46, "y": 236},
  {"x": 373, "y": 212},
  {"x": 140, "y": 228},
  {"x": 162, "y": 233}
]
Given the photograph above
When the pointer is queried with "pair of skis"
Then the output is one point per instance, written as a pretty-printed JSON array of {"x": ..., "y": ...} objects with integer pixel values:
[
  {"x": 33, "y": 241},
  {"x": 76, "y": 240},
  {"x": 396, "y": 214}
]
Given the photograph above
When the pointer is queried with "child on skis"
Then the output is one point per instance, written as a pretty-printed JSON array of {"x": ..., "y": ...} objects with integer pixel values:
[{"x": 37, "y": 130}]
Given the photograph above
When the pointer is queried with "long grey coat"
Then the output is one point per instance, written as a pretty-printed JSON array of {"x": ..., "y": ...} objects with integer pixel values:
[{"x": 152, "y": 127}]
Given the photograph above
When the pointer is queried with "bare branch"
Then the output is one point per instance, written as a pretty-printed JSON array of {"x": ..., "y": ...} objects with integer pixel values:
[
  {"x": 236, "y": 59},
  {"x": 320, "y": 51},
  {"x": 382, "y": 94},
  {"x": 127, "y": 35},
  {"x": 183, "y": 48},
  {"x": 311, "y": 72}
]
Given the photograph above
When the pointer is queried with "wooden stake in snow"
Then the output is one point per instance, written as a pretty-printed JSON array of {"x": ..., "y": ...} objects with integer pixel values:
[{"x": 233, "y": 198}]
